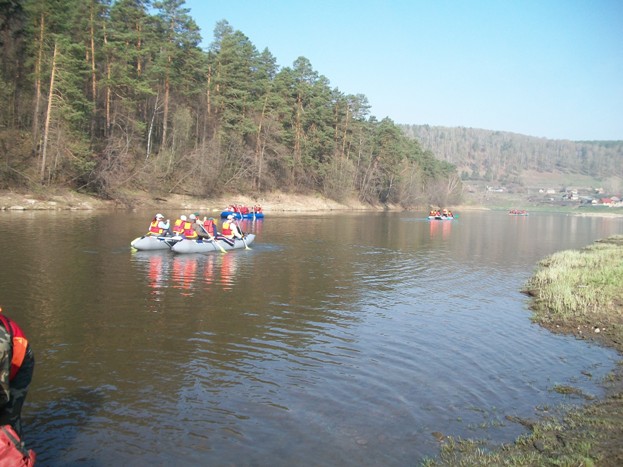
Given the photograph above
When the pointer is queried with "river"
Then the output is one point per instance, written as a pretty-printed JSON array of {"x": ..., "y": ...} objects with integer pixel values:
[{"x": 337, "y": 339}]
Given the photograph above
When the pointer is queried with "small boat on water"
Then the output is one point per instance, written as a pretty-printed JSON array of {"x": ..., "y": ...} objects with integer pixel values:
[
  {"x": 517, "y": 212},
  {"x": 440, "y": 215},
  {"x": 239, "y": 215},
  {"x": 152, "y": 242},
  {"x": 207, "y": 246}
]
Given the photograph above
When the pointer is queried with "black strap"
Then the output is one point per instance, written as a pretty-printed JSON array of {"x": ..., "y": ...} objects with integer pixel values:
[
  {"x": 7, "y": 325},
  {"x": 19, "y": 445}
]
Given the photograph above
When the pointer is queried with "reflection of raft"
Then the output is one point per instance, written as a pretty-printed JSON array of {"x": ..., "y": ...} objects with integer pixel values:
[
  {"x": 440, "y": 218},
  {"x": 149, "y": 242},
  {"x": 206, "y": 246},
  {"x": 239, "y": 215}
]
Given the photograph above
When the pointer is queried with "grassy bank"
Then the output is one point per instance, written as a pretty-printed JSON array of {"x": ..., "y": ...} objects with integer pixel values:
[{"x": 579, "y": 293}]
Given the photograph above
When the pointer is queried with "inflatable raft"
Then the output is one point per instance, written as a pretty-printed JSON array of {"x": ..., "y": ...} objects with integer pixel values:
[
  {"x": 239, "y": 215},
  {"x": 206, "y": 246},
  {"x": 149, "y": 242}
]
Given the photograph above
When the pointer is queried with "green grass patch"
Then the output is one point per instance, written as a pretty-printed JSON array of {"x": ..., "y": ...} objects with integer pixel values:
[
  {"x": 578, "y": 292},
  {"x": 582, "y": 287}
]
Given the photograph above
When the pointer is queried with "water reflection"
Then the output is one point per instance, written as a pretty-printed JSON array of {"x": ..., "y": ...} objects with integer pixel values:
[
  {"x": 187, "y": 273},
  {"x": 346, "y": 349},
  {"x": 440, "y": 228},
  {"x": 184, "y": 273}
]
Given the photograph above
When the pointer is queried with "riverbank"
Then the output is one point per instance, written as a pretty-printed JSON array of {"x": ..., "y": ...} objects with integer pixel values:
[
  {"x": 174, "y": 203},
  {"x": 578, "y": 293}
]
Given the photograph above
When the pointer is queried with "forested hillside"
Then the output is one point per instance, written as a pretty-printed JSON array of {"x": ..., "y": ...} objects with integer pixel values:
[
  {"x": 504, "y": 158},
  {"x": 112, "y": 96}
]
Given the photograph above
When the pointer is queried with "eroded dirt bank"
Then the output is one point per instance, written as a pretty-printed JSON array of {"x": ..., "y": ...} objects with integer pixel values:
[{"x": 274, "y": 202}]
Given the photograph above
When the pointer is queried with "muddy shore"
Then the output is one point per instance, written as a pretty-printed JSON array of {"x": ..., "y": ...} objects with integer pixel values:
[
  {"x": 271, "y": 203},
  {"x": 276, "y": 202}
]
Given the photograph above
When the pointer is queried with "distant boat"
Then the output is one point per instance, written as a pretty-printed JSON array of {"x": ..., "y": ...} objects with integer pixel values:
[
  {"x": 440, "y": 218},
  {"x": 517, "y": 212},
  {"x": 239, "y": 215}
]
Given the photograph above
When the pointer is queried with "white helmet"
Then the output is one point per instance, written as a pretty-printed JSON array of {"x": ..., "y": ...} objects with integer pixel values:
[{"x": 183, "y": 217}]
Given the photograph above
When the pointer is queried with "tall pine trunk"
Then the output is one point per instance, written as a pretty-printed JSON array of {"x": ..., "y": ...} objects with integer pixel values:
[
  {"x": 48, "y": 116},
  {"x": 38, "y": 68},
  {"x": 259, "y": 147},
  {"x": 93, "y": 70}
]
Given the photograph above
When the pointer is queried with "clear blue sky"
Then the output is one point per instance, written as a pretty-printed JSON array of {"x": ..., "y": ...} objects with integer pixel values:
[{"x": 546, "y": 68}]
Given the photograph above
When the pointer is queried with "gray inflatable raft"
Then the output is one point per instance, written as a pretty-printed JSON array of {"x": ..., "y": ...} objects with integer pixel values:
[
  {"x": 149, "y": 242},
  {"x": 206, "y": 246}
]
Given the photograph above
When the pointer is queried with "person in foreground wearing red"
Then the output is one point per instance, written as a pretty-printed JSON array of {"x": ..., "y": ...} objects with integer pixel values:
[{"x": 17, "y": 364}]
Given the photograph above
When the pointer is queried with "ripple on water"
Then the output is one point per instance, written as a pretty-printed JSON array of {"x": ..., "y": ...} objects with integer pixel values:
[{"x": 348, "y": 351}]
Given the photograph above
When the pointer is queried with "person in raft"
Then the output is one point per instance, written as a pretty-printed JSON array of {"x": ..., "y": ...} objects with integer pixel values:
[
  {"x": 210, "y": 228},
  {"x": 198, "y": 227},
  {"x": 189, "y": 231},
  {"x": 178, "y": 226},
  {"x": 17, "y": 364},
  {"x": 230, "y": 228},
  {"x": 159, "y": 226}
]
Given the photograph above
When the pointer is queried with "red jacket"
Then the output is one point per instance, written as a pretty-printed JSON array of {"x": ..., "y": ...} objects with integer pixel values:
[{"x": 19, "y": 342}]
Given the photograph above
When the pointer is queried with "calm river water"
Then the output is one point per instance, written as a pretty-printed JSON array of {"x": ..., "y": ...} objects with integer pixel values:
[{"x": 338, "y": 339}]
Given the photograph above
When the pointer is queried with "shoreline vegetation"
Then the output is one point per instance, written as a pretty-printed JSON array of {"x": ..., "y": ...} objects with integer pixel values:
[
  {"x": 577, "y": 292},
  {"x": 573, "y": 292}
]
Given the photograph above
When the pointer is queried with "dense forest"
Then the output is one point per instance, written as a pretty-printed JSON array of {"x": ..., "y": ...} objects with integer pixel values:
[
  {"x": 503, "y": 158},
  {"x": 107, "y": 97}
]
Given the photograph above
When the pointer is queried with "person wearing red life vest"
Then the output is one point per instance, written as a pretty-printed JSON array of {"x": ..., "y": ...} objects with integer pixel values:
[
  {"x": 178, "y": 226},
  {"x": 226, "y": 230},
  {"x": 209, "y": 227},
  {"x": 189, "y": 231},
  {"x": 159, "y": 226},
  {"x": 17, "y": 364},
  {"x": 230, "y": 228}
]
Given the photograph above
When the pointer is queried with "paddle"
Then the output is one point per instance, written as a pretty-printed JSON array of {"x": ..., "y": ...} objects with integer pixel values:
[
  {"x": 213, "y": 240},
  {"x": 246, "y": 247}
]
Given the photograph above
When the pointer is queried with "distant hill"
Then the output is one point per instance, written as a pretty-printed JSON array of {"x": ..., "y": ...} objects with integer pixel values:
[{"x": 505, "y": 158}]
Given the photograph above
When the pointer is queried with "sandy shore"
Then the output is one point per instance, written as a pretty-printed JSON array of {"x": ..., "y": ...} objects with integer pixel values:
[
  {"x": 175, "y": 204},
  {"x": 273, "y": 202}
]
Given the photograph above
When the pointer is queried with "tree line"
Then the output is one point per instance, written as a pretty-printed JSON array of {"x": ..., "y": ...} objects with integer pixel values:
[
  {"x": 503, "y": 157},
  {"x": 112, "y": 96}
]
